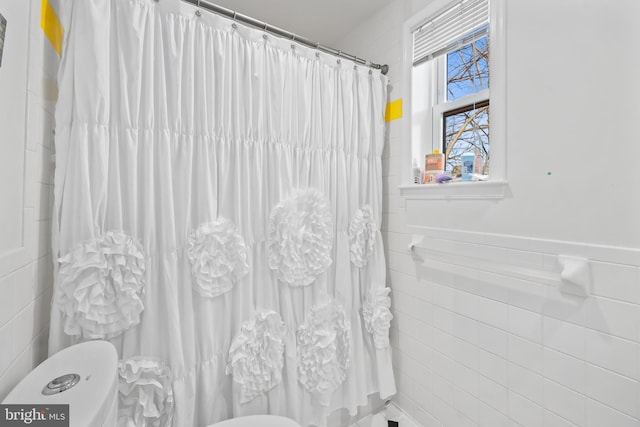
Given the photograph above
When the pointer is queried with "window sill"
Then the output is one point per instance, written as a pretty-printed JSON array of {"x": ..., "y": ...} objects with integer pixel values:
[{"x": 482, "y": 190}]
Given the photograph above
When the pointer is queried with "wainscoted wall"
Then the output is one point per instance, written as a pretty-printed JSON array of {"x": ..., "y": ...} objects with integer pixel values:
[
  {"x": 484, "y": 337},
  {"x": 481, "y": 334},
  {"x": 28, "y": 91}
]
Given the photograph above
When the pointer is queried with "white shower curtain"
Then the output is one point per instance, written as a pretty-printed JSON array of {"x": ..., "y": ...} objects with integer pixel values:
[{"x": 217, "y": 214}]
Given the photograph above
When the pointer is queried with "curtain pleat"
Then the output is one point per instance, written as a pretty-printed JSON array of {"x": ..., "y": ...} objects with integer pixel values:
[{"x": 166, "y": 122}]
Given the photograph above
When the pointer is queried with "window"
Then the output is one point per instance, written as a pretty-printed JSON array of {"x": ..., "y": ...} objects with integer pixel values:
[
  {"x": 465, "y": 128},
  {"x": 456, "y": 62}
]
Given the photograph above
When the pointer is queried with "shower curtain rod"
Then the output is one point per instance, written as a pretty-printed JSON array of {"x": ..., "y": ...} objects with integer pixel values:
[{"x": 211, "y": 7}]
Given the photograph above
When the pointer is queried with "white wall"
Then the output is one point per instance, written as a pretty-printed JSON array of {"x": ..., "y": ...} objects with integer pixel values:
[
  {"x": 482, "y": 336},
  {"x": 570, "y": 113},
  {"x": 27, "y": 96}
]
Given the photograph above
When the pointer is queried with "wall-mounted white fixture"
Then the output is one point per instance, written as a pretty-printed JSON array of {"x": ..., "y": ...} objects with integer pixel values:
[
  {"x": 416, "y": 239},
  {"x": 575, "y": 275}
]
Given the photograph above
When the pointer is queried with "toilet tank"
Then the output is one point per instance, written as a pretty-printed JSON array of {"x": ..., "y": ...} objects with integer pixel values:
[{"x": 89, "y": 370}]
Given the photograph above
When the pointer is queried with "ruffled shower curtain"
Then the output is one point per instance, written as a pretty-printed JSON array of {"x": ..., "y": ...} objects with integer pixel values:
[{"x": 217, "y": 214}]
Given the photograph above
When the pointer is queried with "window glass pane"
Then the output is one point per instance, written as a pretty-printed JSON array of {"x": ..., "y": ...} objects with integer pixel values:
[
  {"x": 468, "y": 69},
  {"x": 467, "y": 130}
]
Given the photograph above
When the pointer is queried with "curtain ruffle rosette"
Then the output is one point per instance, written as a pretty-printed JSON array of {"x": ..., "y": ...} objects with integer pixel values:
[
  {"x": 256, "y": 356},
  {"x": 362, "y": 234},
  {"x": 376, "y": 312},
  {"x": 146, "y": 394},
  {"x": 218, "y": 257},
  {"x": 323, "y": 349},
  {"x": 101, "y": 286},
  {"x": 300, "y": 238},
  {"x": 205, "y": 185}
]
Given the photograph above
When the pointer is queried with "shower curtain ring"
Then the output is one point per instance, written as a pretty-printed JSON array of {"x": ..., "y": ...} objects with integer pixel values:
[
  {"x": 198, "y": 13},
  {"x": 233, "y": 24}
]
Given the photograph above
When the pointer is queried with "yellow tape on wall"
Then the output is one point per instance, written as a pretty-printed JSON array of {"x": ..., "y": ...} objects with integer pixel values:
[
  {"x": 52, "y": 26},
  {"x": 394, "y": 110}
]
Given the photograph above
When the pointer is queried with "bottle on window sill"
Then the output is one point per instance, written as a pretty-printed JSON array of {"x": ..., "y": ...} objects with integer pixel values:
[
  {"x": 468, "y": 163},
  {"x": 478, "y": 166},
  {"x": 434, "y": 162},
  {"x": 417, "y": 173},
  {"x": 431, "y": 177}
]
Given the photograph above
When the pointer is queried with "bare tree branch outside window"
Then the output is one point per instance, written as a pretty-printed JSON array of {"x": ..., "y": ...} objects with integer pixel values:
[{"x": 467, "y": 129}]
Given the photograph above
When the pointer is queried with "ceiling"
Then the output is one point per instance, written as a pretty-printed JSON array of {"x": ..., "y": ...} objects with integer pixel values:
[{"x": 326, "y": 21}]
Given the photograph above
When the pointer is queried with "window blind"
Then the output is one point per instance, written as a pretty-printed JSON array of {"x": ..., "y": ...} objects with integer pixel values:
[{"x": 434, "y": 36}]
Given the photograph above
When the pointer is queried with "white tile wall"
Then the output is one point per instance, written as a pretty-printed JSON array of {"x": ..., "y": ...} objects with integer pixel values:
[
  {"x": 540, "y": 358},
  {"x": 25, "y": 293}
]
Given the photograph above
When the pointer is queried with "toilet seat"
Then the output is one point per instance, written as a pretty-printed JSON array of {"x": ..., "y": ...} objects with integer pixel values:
[{"x": 257, "y": 421}]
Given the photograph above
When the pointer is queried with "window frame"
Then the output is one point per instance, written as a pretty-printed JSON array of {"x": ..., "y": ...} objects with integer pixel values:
[
  {"x": 495, "y": 187},
  {"x": 442, "y": 112}
]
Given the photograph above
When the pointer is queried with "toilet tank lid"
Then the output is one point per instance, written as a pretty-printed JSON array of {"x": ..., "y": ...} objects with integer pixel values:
[{"x": 96, "y": 363}]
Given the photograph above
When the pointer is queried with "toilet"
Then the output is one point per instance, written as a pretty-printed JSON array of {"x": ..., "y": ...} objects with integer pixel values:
[
  {"x": 257, "y": 421},
  {"x": 84, "y": 376}
]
